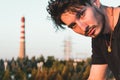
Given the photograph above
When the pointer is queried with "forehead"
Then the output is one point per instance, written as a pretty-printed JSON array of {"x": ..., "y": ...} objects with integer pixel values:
[
  {"x": 72, "y": 11},
  {"x": 68, "y": 17}
]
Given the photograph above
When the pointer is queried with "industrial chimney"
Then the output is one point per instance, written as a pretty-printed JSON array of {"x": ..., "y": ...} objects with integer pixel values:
[{"x": 22, "y": 39}]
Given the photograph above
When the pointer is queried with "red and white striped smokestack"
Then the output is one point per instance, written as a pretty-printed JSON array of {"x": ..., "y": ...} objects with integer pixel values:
[
  {"x": 22, "y": 38},
  {"x": 22, "y": 34}
]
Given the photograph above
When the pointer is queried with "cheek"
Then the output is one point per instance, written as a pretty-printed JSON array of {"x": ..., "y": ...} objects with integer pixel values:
[
  {"x": 78, "y": 30},
  {"x": 90, "y": 17}
]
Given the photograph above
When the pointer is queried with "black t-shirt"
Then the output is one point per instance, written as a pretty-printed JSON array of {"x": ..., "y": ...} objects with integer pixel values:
[{"x": 102, "y": 56}]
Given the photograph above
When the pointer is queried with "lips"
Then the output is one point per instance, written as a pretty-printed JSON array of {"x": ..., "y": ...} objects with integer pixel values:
[{"x": 90, "y": 30}]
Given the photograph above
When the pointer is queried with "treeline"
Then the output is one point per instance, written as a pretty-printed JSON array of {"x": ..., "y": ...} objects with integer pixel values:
[{"x": 49, "y": 69}]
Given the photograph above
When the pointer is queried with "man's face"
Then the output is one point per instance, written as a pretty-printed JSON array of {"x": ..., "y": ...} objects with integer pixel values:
[{"x": 87, "y": 21}]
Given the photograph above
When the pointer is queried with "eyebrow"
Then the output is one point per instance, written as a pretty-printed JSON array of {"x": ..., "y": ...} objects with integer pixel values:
[
  {"x": 71, "y": 25},
  {"x": 80, "y": 11}
]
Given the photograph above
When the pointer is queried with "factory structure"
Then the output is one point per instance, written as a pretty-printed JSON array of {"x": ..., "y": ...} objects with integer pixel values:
[
  {"x": 22, "y": 39},
  {"x": 67, "y": 48}
]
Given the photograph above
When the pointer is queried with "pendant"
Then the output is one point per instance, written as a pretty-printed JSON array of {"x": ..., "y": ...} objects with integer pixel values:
[{"x": 109, "y": 49}]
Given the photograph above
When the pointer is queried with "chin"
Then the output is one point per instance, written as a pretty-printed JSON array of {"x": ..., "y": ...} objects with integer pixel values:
[
  {"x": 93, "y": 36},
  {"x": 97, "y": 33}
]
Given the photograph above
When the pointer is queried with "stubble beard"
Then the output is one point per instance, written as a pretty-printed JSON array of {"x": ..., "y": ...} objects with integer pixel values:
[{"x": 102, "y": 30}]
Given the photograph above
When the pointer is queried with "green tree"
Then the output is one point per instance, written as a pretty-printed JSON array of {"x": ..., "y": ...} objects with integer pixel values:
[
  {"x": 41, "y": 59},
  {"x": 86, "y": 68},
  {"x": 52, "y": 74},
  {"x": 65, "y": 73},
  {"x": 1, "y": 69},
  {"x": 86, "y": 73},
  {"x": 58, "y": 66},
  {"x": 59, "y": 77},
  {"x": 33, "y": 74},
  {"x": 49, "y": 61},
  {"x": 33, "y": 62},
  {"x": 20, "y": 75},
  {"x": 7, "y": 75}
]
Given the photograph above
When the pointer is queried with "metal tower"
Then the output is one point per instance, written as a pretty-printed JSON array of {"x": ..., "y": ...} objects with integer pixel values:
[{"x": 67, "y": 48}]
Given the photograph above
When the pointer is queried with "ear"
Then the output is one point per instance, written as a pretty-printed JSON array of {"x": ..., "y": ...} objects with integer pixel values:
[{"x": 96, "y": 3}]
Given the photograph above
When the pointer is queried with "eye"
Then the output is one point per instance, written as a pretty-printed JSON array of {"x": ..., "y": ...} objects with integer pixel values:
[
  {"x": 80, "y": 14},
  {"x": 72, "y": 25}
]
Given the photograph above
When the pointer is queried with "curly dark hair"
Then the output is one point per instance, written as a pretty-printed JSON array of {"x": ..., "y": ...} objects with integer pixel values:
[{"x": 56, "y": 7}]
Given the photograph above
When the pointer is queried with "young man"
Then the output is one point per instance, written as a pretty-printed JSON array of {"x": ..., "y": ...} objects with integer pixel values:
[{"x": 92, "y": 19}]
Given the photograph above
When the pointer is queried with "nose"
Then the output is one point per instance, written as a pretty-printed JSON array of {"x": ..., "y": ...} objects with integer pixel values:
[{"x": 81, "y": 24}]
